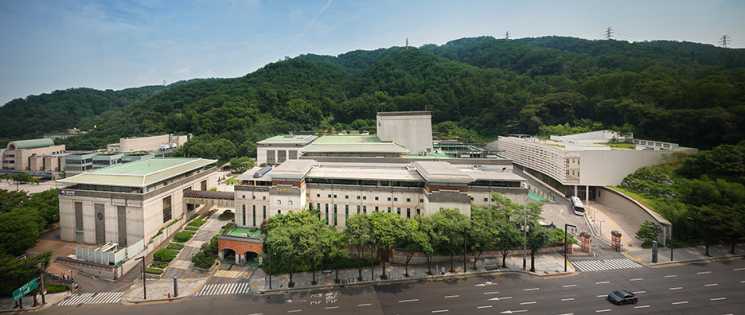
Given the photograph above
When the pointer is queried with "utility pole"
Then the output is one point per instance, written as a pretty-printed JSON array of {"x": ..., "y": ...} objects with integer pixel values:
[
  {"x": 507, "y": 35},
  {"x": 609, "y": 33},
  {"x": 525, "y": 234},
  {"x": 464, "y": 249},
  {"x": 144, "y": 278},
  {"x": 724, "y": 41},
  {"x": 566, "y": 257}
]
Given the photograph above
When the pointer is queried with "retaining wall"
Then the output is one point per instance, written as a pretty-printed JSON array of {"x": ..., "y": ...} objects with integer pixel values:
[{"x": 633, "y": 210}]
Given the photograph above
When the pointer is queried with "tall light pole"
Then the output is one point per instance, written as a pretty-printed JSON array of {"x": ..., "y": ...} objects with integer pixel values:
[
  {"x": 144, "y": 288},
  {"x": 270, "y": 265},
  {"x": 566, "y": 257},
  {"x": 464, "y": 249},
  {"x": 525, "y": 234}
]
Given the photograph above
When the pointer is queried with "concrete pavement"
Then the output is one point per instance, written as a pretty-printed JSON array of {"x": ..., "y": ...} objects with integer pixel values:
[{"x": 644, "y": 256}]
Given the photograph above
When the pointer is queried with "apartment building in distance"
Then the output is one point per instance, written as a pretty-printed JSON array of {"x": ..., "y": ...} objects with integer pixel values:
[{"x": 575, "y": 164}]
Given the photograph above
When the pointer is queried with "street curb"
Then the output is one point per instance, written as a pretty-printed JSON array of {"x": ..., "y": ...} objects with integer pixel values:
[
  {"x": 40, "y": 307},
  {"x": 176, "y": 299},
  {"x": 441, "y": 277},
  {"x": 694, "y": 260}
]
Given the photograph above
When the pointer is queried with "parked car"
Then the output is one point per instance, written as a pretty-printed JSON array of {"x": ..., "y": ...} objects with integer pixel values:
[{"x": 621, "y": 297}]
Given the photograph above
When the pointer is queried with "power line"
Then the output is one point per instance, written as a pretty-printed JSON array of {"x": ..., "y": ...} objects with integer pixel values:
[
  {"x": 609, "y": 33},
  {"x": 724, "y": 41}
]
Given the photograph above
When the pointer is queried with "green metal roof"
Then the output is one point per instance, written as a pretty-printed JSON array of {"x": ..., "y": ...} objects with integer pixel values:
[
  {"x": 33, "y": 144},
  {"x": 350, "y": 139},
  {"x": 294, "y": 139},
  {"x": 139, "y": 173}
]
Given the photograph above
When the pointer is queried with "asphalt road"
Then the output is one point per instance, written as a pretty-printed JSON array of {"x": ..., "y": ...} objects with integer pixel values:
[{"x": 704, "y": 288}]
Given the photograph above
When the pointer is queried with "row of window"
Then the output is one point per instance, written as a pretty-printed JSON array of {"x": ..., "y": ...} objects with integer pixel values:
[
  {"x": 364, "y": 182},
  {"x": 360, "y": 209},
  {"x": 365, "y": 198}
]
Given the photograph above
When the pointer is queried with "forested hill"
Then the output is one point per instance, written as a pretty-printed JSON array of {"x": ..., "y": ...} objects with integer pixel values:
[{"x": 687, "y": 93}]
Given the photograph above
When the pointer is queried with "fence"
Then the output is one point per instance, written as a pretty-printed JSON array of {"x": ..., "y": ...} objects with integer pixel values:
[{"x": 109, "y": 258}]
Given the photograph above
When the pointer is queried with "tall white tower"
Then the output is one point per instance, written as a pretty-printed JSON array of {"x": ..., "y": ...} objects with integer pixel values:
[{"x": 413, "y": 130}]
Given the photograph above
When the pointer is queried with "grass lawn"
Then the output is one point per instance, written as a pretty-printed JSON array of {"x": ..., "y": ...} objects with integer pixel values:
[
  {"x": 231, "y": 180},
  {"x": 628, "y": 146}
]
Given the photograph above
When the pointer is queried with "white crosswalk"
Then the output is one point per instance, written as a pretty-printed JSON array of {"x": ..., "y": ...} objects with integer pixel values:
[
  {"x": 224, "y": 288},
  {"x": 93, "y": 298},
  {"x": 232, "y": 274},
  {"x": 608, "y": 264}
]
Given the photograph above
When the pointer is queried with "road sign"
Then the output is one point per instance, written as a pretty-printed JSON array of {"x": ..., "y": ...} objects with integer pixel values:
[{"x": 26, "y": 288}]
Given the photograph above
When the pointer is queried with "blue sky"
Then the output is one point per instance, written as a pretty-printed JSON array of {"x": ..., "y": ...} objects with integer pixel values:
[{"x": 59, "y": 44}]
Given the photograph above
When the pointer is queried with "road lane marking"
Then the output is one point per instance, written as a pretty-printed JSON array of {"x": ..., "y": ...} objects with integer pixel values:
[
  {"x": 602, "y": 282},
  {"x": 637, "y": 279},
  {"x": 719, "y": 299},
  {"x": 711, "y": 285},
  {"x": 485, "y": 306},
  {"x": 533, "y": 289},
  {"x": 676, "y": 288},
  {"x": 491, "y": 292},
  {"x": 526, "y": 303},
  {"x": 703, "y": 273},
  {"x": 294, "y": 311},
  {"x": 605, "y": 310},
  {"x": 670, "y": 276},
  {"x": 368, "y": 304},
  {"x": 738, "y": 269},
  {"x": 602, "y": 295},
  {"x": 452, "y": 296},
  {"x": 567, "y": 314},
  {"x": 568, "y": 299},
  {"x": 439, "y": 311},
  {"x": 643, "y": 306},
  {"x": 682, "y": 302},
  {"x": 412, "y": 300},
  {"x": 515, "y": 311},
  {"x": 331, "y": 307},
  {"x": 639, "y": 292},
  {"x": 257, "y": 314},
  {"x": 500, "y": 298},
  {"x": 570, "y": 285}
]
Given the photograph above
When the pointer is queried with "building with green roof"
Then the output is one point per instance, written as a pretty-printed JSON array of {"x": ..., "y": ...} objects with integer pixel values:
[
  {"x": 125, "y": 203},
  {"x": 37, "y": 155}
]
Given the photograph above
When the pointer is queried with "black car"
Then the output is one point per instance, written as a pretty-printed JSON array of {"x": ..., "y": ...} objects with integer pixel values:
[{"x": 622, "y": 297}]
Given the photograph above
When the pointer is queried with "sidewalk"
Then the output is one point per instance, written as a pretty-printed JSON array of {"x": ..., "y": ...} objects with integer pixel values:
[
  {"x": 7, "y": 304},
  {"x": 551, "y": 264},
  {"x": 605, "y": 219},
  {"x": 685, "y": 254},
  {"x": 158, "y": 290}
]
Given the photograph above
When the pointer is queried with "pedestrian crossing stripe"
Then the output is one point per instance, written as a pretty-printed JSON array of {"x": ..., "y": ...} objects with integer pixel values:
[
  {"x": 224, "y": 288},
  {"x": 232, "y": 274},
  {"x": 93, "y": 298},
  {"x": 609, "y": 264}
]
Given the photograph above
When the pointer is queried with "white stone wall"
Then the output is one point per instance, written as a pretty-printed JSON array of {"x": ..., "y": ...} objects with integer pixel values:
[{"x": 411, "y": 131}]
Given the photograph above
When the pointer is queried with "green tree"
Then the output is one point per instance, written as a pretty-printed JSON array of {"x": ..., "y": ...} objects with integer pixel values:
[
  {"x": 242, "y": 164},
  {"x": 648, "y": 232},
  {"x": 281, "y": 242},
  {"x": 22, "y": 177},
  {"x": 709, "y": 222},
  {"x": 538, "y": 238},
  {"x": 18, "y": 230},
  {"x": 383, "y": 228},
  {"x": 310, "y": 245},
  {"x": 430, "y": 238},
  {"x": 483, "y": 234},
  {"x": 358, "y": 233},
  {"x": 451, "y": 224},
  {"x": 334, "y": 247}
]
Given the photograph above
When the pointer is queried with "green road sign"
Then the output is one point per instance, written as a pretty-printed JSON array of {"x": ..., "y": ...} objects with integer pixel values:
[{"x": 26, "y": 288}]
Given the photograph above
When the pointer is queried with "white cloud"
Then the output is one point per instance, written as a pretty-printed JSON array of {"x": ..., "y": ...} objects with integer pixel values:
[
  {"x": 184, "y": 70},
  {"x": 147, "y": 74},
  {"x": 296, "y": 13}
]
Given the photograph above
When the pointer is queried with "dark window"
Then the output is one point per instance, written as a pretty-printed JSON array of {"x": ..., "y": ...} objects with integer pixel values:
[
  {"x": 408, "y": 213},
  {"x": 166, "y": 209},
  {"x": 244, "y": 215},
  {"x": 204, "y": 185},
  {"x": 389, "y": 198},
  {"x": 376, "y": 198}
]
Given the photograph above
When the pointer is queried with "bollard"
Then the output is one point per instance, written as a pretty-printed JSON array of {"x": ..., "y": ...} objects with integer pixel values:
[
  {"x": 654, "y": 251},
  {"x": 175, "y": 287}
]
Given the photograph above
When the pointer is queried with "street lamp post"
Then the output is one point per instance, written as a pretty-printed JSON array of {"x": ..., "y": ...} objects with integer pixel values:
[
  {"x": 144, "y": 288},
  {"x": 270, "y": 266},
  {"x": 566, "y": 257},
  {"x": 525, "y": 235},
  {"x": 464, "y": 249},
  {"x": 372, "y": 263}
]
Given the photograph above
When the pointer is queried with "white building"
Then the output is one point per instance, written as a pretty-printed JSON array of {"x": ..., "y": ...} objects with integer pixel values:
[{"x": 570, "y": 162}]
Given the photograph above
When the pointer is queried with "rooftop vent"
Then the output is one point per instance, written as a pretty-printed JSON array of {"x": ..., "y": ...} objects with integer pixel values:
[{"x": 262, "y": 172}]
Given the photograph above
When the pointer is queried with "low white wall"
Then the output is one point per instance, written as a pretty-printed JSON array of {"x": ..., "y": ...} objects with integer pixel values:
[{"x": 633, "y": 210}]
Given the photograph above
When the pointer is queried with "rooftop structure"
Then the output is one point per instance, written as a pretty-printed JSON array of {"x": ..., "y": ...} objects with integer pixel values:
[
  {"x": 358, "y": 145},
  {"x": 278, "y": 149},
  {"x": 412, "y": 130},
  {"x": 140, "y": 173}
]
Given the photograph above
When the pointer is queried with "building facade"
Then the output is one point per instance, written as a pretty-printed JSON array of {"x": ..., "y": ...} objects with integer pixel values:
[
  {"x": 146, "y": 143},
  {"x": 412, "y": 130},
  {"x": 33, "y": 155},
  {"x": 276, "y": 150},
  {"x": 129, "y": 202}
]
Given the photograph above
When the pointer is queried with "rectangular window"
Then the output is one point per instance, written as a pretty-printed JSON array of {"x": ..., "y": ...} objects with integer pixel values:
[
  {"x": 318, "y": 205},
  {"x": 346, "y": 212},
  {"x": 254, "y": 214},
  {"x": 486, "y": 199},
  {"x": 389, "y": 209},
  {"x": 376, "y": 208},
  {"x": 327, "y": 213},
  {"x": 204, "y": 185},
  {"x": 398, "y": 210},
  {"x": 389, "y": 198},
  {"x": 279, "y": 212},
  {"x": 334, "y": 196},
  {"x": 408, "y": 199},
  {"x": 358, "y": 197},
  {"x": 166, "y": 209},
  {"x": 346, "y": 197},
  {"x": 395, "y": 199},
  {"x": 376, "y": 198},
  {"x": 358, "y": 209},
  {"x": 264, "y": 213},
  {"x": 417, "y": 211},
  {"x": 408, "y": 213},
  {"x": 364, "y": 197},
  {"x": 421, "y": 200},
  {"x": 364, "y": 209},
  {"x": 244, "y": 215},
  {"x": 334, "y": 215}
]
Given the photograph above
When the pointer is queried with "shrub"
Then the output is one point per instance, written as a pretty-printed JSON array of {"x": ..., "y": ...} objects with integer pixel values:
[
  {"x": 191, "y": 228},
  {"x": 182, "y": 237},
  {"x": 197, "y": 222},
  {"x": 56, "y": 288},
  {"x": 154, "y": 271},
  {"x": 227, "y": 215},
  {"x": 159, "y": 265},
  {"x": 226, "y": 227},
  {"x": 203, "y": 261},
  {"x": 175, "y": 247},
  {"x": 164, "y": 255}
]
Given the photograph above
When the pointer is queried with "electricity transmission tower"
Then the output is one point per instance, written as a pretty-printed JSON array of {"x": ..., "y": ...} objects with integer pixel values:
[
  {"x": 507, "y": 35},
  {"x": 609, "y": 33},
  {"x": 724, "y": 41}
]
